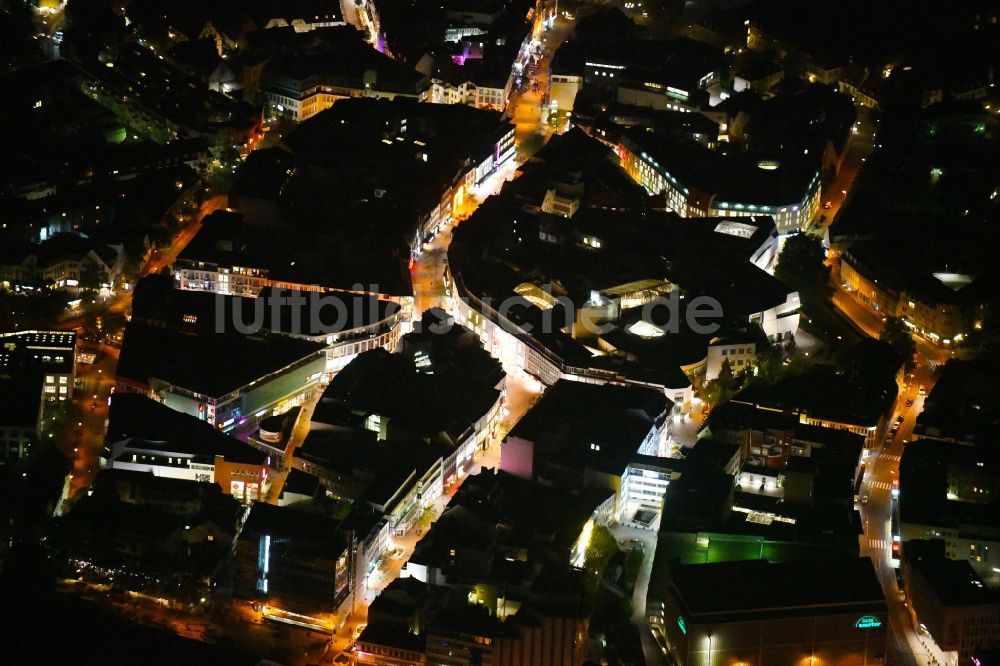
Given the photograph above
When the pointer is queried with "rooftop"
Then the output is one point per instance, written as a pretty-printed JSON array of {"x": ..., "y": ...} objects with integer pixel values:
[
  {"x": 213, "y": 364},
  {"x": 580, "y": 425},
  {"x": 358, "y": 248},
  {"x": 729, "y": 178},
  {"x": 342, "y": 59},
  {"x": 156, "y": 302},
  {"x": 733, "y": 591},
  {"x": 954, "y": 582},
  {"x": 150, "y": 425},
  {"x": 420, "y": 404}
]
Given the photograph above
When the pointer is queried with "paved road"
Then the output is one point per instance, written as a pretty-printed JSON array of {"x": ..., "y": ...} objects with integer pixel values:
[
  {"x": 881, "y": 471},
  {"x": 526, "y": 109},
  {"x": 94, "y": 382}
]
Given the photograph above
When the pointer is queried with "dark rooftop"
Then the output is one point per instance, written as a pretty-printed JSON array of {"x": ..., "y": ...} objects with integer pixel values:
[
  {"x": 152, "y": 425},
  {"x": 572, "y": 418},
  {"x": 732, "y": 178},
  {"x": 212, "y": 364},
  {"x": 730, "y": 591}
]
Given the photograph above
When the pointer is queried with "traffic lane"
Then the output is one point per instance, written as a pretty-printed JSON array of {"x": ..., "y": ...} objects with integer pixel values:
[{"x": 877, "y": 514}]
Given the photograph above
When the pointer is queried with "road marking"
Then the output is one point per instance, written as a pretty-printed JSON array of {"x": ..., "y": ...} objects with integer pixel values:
[
  {"x": 876, "y": 544},
  {"x": 890, "y": 456},
  {"x": 880, "y": 485}
]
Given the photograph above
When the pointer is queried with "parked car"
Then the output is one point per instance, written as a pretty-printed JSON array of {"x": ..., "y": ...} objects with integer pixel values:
[{"x": 909, "y": 402}]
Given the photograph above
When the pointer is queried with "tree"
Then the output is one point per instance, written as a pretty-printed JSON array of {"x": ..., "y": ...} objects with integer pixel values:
[
  {"x": 898, "y": 336},
  {"x": 720, "y": 389},
  {"x": 801, "y": 266}
]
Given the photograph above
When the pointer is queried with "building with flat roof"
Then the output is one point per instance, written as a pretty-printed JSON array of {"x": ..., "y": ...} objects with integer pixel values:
[
  {"x": 948, "y": 600},
  {"x": 445, "y": 407},
  {"x": 296, "y": 564},
  {"x": 590, "y": 435},
  {"x": 35, "y": 367},
  {"x": 230, "y": 257},
  {"x": 229, "y": 380},
  {"x": 716, "y": 510},
  {"x": 346, "y": 323},
  {"x": 144, "y": 435},
  {"x": 950, "y": 492},
  {"x": 297, "y": 85},
  {"x": 581, "y": 297},
  {"x": 698, "y": 182},
  {"x": 954, "y": 413},
  {"x": 757, "y": 612},
  {"x": 769, "y": 439}
]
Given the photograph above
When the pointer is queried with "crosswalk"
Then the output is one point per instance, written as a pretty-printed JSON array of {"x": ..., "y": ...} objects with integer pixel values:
[
  {"x": 876, "y": 544},
  {"x": 894, "y": 457},
  {"x": 880, "y": 485}
]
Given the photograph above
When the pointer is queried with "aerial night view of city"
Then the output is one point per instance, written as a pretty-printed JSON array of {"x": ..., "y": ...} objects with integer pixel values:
[{"x": 500, "y": 332}]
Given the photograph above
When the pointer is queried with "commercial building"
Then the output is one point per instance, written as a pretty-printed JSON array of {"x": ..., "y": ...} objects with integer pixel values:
[
  {"x": 596, "y": 436},
  {"x": 664, "y": 75},
  {"x": 35, "y": 367},
  {"x": 949, "y": 492},
  {"x": 412, "y": 623},
  {"x": 410, "y": 168},
  {"x": 229, "y": 380},
  {"x": 769, "y": 438},
  {"x": 299, "y": 84},
  {"x": 481, "y": 74},
  {"x": 948, "y": 600},
  {"x": 596, "y": 315},
  {"x": 952, "y": 413},
  {"x": 424, "y": 158},
  {"x": 453, "y": 411},
  {"x": 296, "y": 565},
  {"x": 347, "y": 324},
  {"x": 146, "y": 436},
  {"x": 757, "y": 612},
  {"x": 230, "y": 257},
  {"x": 698, "y": 182},
  {"x": 399, "y": 451},
  {"x": 498, "y": 579}
]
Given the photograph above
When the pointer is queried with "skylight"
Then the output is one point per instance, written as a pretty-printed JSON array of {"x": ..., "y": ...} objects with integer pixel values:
[
  {"x": 644, "y": 329},
  {"x": 738, "y": 229}
]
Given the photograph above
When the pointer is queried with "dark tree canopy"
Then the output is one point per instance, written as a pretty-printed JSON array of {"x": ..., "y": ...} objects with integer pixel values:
[
  {"x": 898, "y": 336},
  {"x": 801, "y": 265}
]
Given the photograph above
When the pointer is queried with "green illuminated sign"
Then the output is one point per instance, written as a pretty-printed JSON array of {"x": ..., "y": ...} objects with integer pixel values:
[
  {"x": 682, "y": 624},
  {"x": 868, "y": 622}
]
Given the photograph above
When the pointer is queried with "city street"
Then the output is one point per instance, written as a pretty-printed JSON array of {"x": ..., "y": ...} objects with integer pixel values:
[
  {"x": 838, "y": 191},
  {"x": 95, "y": 381},
  {"x": 527, "y": 108},
  {"x": 882, "y": 469}
]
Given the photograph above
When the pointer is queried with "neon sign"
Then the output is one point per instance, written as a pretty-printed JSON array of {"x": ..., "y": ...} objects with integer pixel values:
[
  {"x": 682, "y": 625},
  {"x": 868, "y": 622}
]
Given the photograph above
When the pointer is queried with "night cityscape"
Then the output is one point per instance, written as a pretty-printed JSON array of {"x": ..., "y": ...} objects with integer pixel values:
[{"x": 500, "y": 332}]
